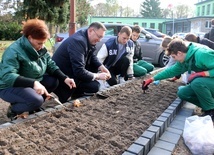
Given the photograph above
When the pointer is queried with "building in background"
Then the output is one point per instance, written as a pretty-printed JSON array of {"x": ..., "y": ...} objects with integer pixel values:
[{"x": 200, "y": 23}]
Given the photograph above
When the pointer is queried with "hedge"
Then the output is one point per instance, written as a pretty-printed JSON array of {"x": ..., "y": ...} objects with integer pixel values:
[{"x": 10, "y": 31}]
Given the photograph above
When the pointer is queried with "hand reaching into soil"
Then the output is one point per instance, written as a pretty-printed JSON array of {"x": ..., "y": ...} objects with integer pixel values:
[{"x": 146, "y": 83}]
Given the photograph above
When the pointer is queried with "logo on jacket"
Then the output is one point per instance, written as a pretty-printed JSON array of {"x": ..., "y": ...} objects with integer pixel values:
[
  {"x": 129, "y": 50},
  {"x": 113, "y": 52}
]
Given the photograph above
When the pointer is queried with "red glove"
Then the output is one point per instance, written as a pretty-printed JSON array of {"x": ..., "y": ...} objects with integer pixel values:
[
  {"x": 195, "y": 75},
  {"x": 146, "y": 83}
]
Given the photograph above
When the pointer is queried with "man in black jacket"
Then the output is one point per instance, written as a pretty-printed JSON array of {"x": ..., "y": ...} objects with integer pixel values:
[
  {"x": 210, "y": 34},
  {"x": 76, "y": 58},
  {"x": 204, "y": 41}
]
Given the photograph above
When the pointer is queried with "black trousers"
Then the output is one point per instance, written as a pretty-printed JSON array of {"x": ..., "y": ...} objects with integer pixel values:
[
  {"x": 120, "y": 68},
  {"x": 64, "y": 92}
]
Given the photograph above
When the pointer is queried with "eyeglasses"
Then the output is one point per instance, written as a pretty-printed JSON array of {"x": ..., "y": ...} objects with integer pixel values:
[{"x": 100, "y": 37}]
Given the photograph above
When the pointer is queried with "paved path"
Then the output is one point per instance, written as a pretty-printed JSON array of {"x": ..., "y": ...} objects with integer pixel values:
[{"x": 163, "y": 135}]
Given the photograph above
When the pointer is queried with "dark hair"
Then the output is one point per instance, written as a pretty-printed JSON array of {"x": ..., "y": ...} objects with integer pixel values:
[
  {"x": 36, "y": 28},
  {"x": 97, "y": 25},
  {"x": 176, "y": 45},
  {"x": 136, "y": 29},
  {"x": 212, "y": 22},
  {"x": 166, "y": 41},
  {"x": 191, "y": 37},
  {"x": 127, "y": 30}
]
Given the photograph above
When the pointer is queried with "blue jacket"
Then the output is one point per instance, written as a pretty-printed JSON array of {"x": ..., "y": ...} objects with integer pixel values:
[{"x": 75, "y": 55}]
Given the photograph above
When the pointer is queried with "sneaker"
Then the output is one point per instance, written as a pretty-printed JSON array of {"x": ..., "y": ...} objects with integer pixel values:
[
  {"x": 103, "y": 84},
  {"x": 10, "y": 114},
  {"x": 121, "y": 80}
]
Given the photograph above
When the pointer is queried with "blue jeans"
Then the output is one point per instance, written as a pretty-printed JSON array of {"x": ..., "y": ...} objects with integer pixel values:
[{"x": 26, "y": 99}]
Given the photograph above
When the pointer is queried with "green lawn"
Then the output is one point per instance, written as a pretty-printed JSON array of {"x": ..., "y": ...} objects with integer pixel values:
[{"x": 4, "y": 44}]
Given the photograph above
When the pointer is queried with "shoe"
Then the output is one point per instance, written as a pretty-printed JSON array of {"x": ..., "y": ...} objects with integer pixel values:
[
  {"x": 37, "y": 110},
  {"x": 103, "y": 84},
  {"x": 10, "y": 114},
  {"x": 210, "y": 113},
  {"x": 121, "y": 80}
]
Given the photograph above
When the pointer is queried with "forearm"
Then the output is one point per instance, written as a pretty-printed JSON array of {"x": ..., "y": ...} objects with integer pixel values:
[{"x": 23, "y": 82}]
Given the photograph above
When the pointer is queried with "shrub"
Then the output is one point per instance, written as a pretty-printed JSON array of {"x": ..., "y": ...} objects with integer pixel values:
[{"x": 10, "y": 30}]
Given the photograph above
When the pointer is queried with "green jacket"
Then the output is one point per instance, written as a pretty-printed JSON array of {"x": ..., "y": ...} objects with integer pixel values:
[
  {"x": 198, "y": 58},
  {"x": 20, "y": 59}
]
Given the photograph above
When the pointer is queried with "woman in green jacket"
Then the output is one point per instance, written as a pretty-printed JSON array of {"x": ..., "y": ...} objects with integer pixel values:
[
  {"x": 28, "y": 74},
  {"x": 197, "y": 58}
]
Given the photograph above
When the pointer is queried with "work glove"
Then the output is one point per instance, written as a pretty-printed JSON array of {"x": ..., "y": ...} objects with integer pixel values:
[
  {"x": 146, "y": 83},
  {"x": 195, "y": 75}
]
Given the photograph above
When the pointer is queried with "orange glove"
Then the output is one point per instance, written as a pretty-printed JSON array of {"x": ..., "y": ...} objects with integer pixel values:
[
  {"x": 146, "y": 83},
  {"x": 195, "y": 75}
]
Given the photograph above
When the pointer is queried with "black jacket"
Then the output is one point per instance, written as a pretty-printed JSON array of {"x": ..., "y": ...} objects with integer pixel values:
[
  {"x": 210, "y": 35},
  {"x": 206, "y": 42},
  {"x": 76, "y": 58},
  {"x": 137, "y": 51}
]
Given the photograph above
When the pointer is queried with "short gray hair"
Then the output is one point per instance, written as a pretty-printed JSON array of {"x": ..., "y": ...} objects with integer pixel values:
[{"x": 97, "y": 25}]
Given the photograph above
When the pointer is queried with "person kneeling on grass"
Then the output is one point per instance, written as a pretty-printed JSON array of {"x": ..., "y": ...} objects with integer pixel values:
[
  {"x": 191, "y": 57},
  {"x": 28, "y": 74}
]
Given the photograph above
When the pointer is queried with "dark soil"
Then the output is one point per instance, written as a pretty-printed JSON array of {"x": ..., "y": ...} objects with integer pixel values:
[{"x": 98, "y": 127}]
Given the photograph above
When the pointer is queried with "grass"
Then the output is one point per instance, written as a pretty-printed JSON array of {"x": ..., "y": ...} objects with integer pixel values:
[{"x": 4, "y": 44}]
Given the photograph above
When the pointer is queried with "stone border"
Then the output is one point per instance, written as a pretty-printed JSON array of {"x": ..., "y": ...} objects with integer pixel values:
[
  {"x": 150, "y": 137},
  {"x": 144, "y": 144}
]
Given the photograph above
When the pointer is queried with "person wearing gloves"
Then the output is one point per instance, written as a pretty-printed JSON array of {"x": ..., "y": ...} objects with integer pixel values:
[
  {"x": 140, "y": 66},
  {"x": 76, "y": 58},
  {"x": 28, "y": 74},
  {"x": 191, "y": 57},
  {"x": 117, "y": 55}
]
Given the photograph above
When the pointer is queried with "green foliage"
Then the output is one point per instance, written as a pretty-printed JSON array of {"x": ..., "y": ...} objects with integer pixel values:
[
  {"x": 10, "y": 30},
  {"x": 52, "y": 11},
  {"x": 151, "y": 9},
  {"x": 82, "y": 11}
]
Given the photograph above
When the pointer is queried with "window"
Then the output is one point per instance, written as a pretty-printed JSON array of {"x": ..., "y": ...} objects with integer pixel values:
[
  {"x": 198, "y": 11},
  {"x": 144, "y": 25},
  {"x": 111, "y": 30},
  {"x": 135, "y": 23},
  {"x": 160, "y": 27},
  {"x": 185, "y": 27},
  {"x": 208, "y": 24},
  {"x": 203, "y": 9},
  {"x": 152, "y": 25},
  {"x": 142, "y": 35},
  {"x": 213, "y": 8},
  {"x": 208, "y": 9}
]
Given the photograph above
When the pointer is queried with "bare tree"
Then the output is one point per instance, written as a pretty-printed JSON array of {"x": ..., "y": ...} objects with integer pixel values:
[{"x": 182, "y": 11}]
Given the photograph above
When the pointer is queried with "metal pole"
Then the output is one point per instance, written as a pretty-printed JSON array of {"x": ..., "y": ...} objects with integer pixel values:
[
  {"x": 173, "y": 23},
  {"x": 72, "y": 24}
]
